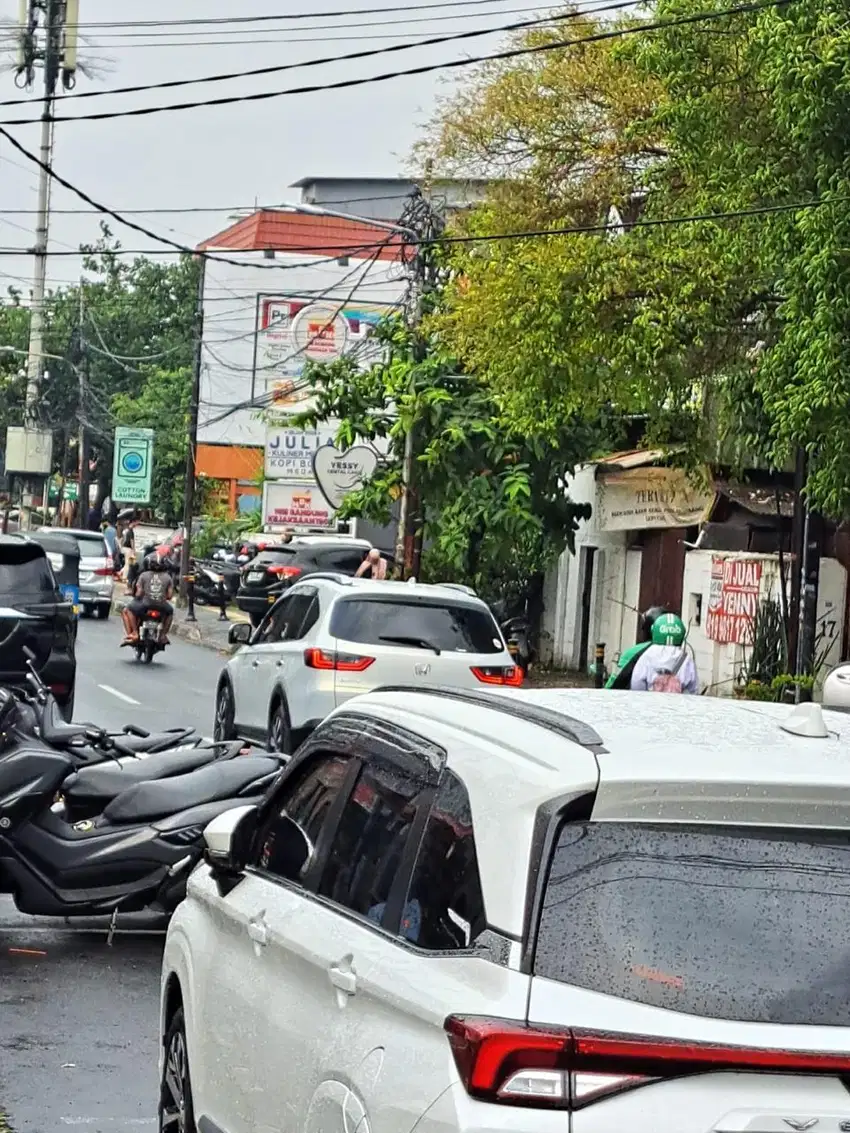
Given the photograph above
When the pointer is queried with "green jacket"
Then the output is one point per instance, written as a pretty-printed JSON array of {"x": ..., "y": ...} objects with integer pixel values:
[{"x": 621, "y": 677}]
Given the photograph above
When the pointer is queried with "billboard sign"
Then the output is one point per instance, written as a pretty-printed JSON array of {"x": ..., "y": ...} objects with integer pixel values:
[
  {"x": 132, "y": 467},
  {"x": 297, "y": 506},
  {"x": 289, "y": 451},
  {"x": 293, "y": 331}
]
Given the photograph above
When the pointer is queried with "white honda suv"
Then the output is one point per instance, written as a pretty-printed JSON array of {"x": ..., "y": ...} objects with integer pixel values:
[
  {"x": 548, "y": 911},
  {"x": 332, "y": 637}
]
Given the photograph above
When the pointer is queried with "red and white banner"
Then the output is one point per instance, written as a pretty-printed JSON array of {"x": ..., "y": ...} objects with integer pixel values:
[{"x": 733, "y": 599}]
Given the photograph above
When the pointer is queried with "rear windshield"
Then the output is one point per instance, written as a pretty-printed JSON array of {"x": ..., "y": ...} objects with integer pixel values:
[
  {"x": 91, "y": 546},
  {"x": 720, "y": 922},
  {"x": 449, "y": 627},
  {"x": 272, "y": 558},
  {"x": 25, "y": 570}
]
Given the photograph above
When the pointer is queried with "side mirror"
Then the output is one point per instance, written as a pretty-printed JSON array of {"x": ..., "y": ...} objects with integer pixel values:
[
  {"x": 228, "y": 839},
  {"x": 240, "y": 634}
]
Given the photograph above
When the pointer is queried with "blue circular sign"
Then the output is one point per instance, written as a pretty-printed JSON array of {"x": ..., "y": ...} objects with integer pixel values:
[{"x": 132, "y": 462}]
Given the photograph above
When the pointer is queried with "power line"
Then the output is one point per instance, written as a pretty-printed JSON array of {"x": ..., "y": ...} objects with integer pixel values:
[
  {"x": 424, "y": 69},
  {"x": 339, "y": 249},
  {"x": 206, "y": 20},
  {"x": 239, "y": 29},
  {"x": 349, "y": 57}
]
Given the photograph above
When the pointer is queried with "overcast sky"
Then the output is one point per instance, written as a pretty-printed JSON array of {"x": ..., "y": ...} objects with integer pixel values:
[{"x": 234, "y": 155}]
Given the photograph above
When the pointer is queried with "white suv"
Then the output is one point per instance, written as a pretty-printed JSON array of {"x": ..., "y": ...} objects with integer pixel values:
[
  {"x": 332, "y": 637},
  {"x": 467, "y": 912}
]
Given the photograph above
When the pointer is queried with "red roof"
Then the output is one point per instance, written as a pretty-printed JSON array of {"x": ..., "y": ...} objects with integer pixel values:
[{"x": 285, "y": 231}]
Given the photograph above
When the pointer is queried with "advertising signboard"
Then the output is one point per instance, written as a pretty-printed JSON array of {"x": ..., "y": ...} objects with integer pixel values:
[
  {"x": 132, "y": 466},
  {"x": 289, "y": 451},
  {"x": 293, "y": 331},
  {"x": 298, "y": 506},
  {"x": 733, "y": 600}
]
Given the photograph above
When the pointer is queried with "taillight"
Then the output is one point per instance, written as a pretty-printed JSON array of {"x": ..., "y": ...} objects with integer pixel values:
[
  {"x": 58, "y": 689},
  {"x": 513, "y": 1064},
  {"x": 106, "y": 571},
  {"x": 285, "y": 571},
  {"x": 510, "y": 675},
  {"x": 337, "y": 662}
]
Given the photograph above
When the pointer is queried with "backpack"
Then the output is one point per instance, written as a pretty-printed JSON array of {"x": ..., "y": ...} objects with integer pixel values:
[{"x": 669, "y": 681}]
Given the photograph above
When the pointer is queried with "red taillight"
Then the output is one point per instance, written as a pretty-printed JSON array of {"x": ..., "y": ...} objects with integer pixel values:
[
  {"x": 59, "y": 690},
  {"x": 285, "y": 571},
  {"x": 507, "y": 1062},
  {"x": 154, "y": 614},
  {"x": 105, "y": 572},
  {"x": 510, "y": 675},
  {"x": 337, "y": 662}
]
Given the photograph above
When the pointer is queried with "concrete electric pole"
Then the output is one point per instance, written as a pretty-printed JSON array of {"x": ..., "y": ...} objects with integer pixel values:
[{"x": 47, "y": 36}]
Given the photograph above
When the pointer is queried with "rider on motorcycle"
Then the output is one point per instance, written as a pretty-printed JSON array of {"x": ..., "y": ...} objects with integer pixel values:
[
  {"x": 154, "y": 588},
  {"x": 621, "y": 677},
  {"x": 666, "y": 666}
]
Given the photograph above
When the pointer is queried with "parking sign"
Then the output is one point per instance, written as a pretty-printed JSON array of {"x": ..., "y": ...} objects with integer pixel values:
[{"x": 132, "y": 466}]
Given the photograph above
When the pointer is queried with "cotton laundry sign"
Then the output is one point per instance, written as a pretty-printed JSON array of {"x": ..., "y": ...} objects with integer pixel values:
[{"x": 340, "y": 473}]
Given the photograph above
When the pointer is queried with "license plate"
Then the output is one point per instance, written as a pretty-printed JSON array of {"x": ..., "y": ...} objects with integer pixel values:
[{"x": 255, "y": 576}]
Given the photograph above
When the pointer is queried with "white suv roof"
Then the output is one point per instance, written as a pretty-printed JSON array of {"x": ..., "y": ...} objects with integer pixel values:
[
  {"x": 647, "y": 758},
  {"x": 458, "y": 595}
]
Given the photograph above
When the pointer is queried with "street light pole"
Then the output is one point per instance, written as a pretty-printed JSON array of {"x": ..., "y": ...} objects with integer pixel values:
[{"x": 192, "y": 452}]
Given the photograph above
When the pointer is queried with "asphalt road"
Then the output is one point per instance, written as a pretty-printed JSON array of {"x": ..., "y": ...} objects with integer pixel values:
[{"x": 79, "y": 1019}]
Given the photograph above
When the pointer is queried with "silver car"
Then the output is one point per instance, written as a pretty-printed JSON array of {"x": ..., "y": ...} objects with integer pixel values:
[{"x": 97, "y": 569}]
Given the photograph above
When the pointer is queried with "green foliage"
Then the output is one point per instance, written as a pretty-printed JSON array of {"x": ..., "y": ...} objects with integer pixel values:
[
  {"x": 220, "y": 528},
  {"x": 728, "y": 336},
  {"x": 138, "y": 328},
  {"x": 492, "y": 494}
]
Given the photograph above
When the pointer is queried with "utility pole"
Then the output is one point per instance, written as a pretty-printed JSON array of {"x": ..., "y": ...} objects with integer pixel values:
[
  {"x": 82, "y": 379},
  {"x": 409, "y": 538},
  {"x": 194, "y": 406},
  {"x": 56, "y": 50}
]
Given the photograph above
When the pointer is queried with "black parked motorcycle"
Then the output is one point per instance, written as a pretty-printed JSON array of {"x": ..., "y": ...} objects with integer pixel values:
[{"x": 137, "y": 854}]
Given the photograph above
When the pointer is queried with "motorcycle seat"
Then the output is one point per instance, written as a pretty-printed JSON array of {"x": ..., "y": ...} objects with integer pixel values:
[
  {"x": 225, "y": 779},
  {"x": 154, "y": 742},
  {"x": 105, "y": 781}
]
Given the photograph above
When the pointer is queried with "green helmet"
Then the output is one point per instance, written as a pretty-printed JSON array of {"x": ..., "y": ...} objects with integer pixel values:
[{"x": 669, "y": 629}]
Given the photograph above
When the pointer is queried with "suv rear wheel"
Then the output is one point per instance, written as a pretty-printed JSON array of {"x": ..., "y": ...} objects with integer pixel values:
[{"x": 280, "y": 729}]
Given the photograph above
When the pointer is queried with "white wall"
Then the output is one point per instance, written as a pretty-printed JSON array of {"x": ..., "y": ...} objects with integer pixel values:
[
  {"x": 615, "y": 593},
  {"x": 718, "y": 665},
  {"x": 230, "y": 323}
]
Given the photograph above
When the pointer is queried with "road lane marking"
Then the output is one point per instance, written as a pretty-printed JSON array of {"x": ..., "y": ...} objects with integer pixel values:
[{"x": 121, "y": 695}]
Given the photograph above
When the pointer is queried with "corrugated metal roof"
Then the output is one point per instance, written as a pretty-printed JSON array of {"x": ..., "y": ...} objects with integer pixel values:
[
  {"x": 285, "y": 231},
  {"x": 632, "y": 458}
]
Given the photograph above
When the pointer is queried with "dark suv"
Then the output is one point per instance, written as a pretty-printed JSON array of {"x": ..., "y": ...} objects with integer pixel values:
[
  {"x": 275, "y": 569},
  {"x": 34, "y": 613}
]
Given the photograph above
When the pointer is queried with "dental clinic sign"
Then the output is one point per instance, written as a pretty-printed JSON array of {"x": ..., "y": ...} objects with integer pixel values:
[{"x": 290, "y": 452}]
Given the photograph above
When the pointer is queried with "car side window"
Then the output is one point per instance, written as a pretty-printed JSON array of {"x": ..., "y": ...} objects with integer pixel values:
[
  {"x": 287, "y": 841},
  {"x": 444, "y": 910},
  {"x": 346, "y": 562},
  {"x": 274, "y": 624},
  {"x": 303, "y": 613},
  {"x": 369, "y": 841}
]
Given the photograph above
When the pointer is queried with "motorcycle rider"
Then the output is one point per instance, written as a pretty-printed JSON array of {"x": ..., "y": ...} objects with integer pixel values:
[
  {"x": 622, "y": 675},
  {"x": 666, "y": 666},
  {"x": 154, "y": 589}
]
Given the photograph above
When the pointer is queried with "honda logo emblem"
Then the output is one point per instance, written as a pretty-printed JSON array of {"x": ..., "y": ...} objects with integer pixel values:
[
  {"x": 422, "y": 670},
  {"x": 801, "y": 1124}
]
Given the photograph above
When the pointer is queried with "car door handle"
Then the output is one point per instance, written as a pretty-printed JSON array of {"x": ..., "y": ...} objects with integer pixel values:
[
  {"x": 344, "y": 979},
  {"x": 258, "y": 931}
]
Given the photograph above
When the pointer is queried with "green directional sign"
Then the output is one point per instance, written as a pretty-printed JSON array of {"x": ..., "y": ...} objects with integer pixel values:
[{"x": 132, "y": 466}]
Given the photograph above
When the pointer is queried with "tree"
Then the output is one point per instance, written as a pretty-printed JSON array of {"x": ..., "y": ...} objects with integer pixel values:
[
  {"x": 137, "y": 327},
  {"x": 739, "y": 324},
  {"x": 493, "y": 496}
]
